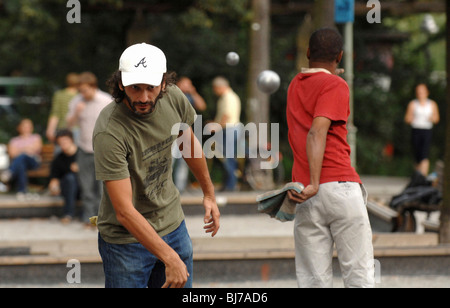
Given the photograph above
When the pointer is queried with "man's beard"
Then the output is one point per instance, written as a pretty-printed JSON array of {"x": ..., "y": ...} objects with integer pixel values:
[{"x": 152, "y": 104}]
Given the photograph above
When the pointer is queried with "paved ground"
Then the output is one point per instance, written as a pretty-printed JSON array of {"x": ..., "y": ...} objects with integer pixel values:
[
  {"x": 386, "y": 282},
  {"x": 239, "y": 232},
  {"x": 51, "y": 232}
]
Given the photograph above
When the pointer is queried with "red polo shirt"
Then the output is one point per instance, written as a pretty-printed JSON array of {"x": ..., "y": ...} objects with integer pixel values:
[{"x": 317, "y": 93}]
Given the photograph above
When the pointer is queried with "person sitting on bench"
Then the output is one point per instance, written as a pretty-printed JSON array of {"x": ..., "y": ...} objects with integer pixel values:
[
  {"x": 24, "y": 151},
  {"x": 64, "y": 174}
]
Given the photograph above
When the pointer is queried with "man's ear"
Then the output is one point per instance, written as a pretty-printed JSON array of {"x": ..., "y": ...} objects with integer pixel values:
[
  {"x": 339, "y": 57},
  {"x": 121, "y": 87},
  {"x": 308, "y": 54}
]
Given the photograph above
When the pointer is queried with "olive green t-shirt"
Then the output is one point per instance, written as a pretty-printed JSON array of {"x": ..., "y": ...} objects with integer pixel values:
[{"x": 139, "y": 148}]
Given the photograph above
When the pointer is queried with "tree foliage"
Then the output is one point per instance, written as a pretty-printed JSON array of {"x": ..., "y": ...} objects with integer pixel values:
[
  {"x": 382, "y": 92},
  {"x": 196, "y": 35}
]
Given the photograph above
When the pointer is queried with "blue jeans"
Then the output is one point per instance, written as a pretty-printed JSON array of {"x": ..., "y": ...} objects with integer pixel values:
[
  {"x": 19, "y": 167},
  {"x": 133, "y": 266},
  {"x": 230, "y": 163},
  {"x": 69, "y": 191}
]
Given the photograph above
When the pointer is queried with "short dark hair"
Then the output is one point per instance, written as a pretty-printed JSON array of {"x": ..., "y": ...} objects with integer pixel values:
[
  {"x": 113, "y": 83},
  {"x": 325, "y": 45},
  {"x": 64, "y": 133}
]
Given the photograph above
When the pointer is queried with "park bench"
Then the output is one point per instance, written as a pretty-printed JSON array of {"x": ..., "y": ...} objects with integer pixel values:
[
  {"x": 431, "y": 225},
  {"x": 382, "y": 218},
  {"x": 43, "y": 172},
  {"x": 421, "y": 196}
]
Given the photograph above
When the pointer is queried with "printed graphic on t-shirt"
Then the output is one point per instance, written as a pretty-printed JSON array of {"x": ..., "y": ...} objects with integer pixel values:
[
  {"x": 158, "y": 164},
  {"x": 155, "y": 149}
]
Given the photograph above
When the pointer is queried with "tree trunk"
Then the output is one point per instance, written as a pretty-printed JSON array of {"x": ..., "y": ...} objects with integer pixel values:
[
  {"x": 444, "y": 231},
  {"x": 323, "y": 13},
  {"x": 258, "y": 102},
  {"x": 304, "y": 33}
]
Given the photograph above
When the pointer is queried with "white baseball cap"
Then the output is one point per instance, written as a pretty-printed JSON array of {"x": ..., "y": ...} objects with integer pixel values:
[{"x": 142, "y": 64}]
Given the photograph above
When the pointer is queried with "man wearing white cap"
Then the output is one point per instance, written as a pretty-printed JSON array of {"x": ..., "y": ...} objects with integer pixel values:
[{"x": 143, "y": 239}]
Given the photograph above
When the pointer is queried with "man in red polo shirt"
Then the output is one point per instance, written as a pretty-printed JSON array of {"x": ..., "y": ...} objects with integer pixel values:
[{"x": 332, "y": 207}]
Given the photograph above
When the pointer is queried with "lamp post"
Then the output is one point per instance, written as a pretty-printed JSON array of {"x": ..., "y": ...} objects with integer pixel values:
[{"x": 345, "y": 13}]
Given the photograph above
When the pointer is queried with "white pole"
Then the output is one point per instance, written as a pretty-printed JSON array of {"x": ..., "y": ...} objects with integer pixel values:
[{"x": 348, "y": 54}]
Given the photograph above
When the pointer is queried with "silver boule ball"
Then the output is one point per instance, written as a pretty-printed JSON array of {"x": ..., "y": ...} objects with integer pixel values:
[
  {"x": 232, "y": 58},
  {"x": 268, "y": 82}
]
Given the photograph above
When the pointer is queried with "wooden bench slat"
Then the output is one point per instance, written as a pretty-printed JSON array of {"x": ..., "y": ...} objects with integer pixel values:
[{"x": 47, "y": 155}]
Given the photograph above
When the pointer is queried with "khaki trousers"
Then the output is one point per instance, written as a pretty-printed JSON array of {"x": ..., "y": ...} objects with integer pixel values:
[{"x": 336, "y": 215}]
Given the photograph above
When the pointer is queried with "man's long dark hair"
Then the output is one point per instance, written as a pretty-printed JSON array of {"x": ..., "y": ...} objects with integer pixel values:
[{"x": 116, "y": 79}]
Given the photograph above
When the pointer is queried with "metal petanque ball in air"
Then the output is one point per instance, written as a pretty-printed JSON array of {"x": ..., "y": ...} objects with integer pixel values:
[
  {"x": 232, "y": 58},
  {"x": 268, "y": 82}
]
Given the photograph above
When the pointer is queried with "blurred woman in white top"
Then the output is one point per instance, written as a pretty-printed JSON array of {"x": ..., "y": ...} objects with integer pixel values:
[{"x": 422, "y": 114}]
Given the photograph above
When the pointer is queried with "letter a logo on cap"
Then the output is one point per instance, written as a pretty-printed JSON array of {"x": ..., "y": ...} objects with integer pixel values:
[
  {"x": 149, "y": 70},
  {"x": 143, "y": 62}
]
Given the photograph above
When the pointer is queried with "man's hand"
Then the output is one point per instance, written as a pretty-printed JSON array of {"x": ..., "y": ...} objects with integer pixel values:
[
  {"x": 120, "y": 193},
  {"x": 212, "y": 216},
  {"x": 307, "y": 193},
  {"x": 176, "y": 273}
]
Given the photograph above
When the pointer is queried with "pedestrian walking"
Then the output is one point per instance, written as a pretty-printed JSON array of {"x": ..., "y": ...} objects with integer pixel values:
[
  {"x": 60, "y": 106},
  {"x": 228, "y": 117},
  {"x": 84, "y": 110},
  {"x": 422, "y": 114},
  {"x": 180, "y": 168}
]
